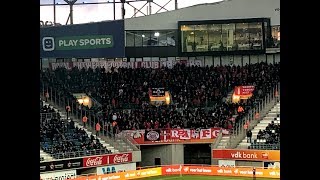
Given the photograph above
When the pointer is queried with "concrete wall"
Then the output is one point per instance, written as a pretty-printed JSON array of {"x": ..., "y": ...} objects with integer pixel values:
[
  {"x": 169, "y": 154},
  {"x": 233, "y": 9}
]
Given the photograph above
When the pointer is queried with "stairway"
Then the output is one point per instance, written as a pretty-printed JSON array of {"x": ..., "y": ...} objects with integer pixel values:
[
  {"x": 46, "y": 156},
  {"x": 225, "y": 139},
  {"x": 76, "y": 123},
  {"x": 223, "y": 142},
  {"x": 273, "y": 115}
]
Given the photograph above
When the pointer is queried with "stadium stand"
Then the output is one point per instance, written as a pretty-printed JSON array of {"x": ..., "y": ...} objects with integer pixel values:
[
  {"x": 123, "y": 93},
  {"x": 266, "y": 134},
  {"x": 60, "y": 138}
]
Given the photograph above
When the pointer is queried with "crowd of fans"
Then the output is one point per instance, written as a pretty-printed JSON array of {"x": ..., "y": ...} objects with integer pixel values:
[
  {"x": 61, "y": 137},
  {"x": 268, "y": 138},
  {"x": 271, "y": 134},
  {"x": 124, "y": 93}
]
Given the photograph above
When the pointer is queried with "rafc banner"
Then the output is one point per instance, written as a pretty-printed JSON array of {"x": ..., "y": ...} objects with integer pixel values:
[
  {"x": 91, "y": 40},
  {"x": 174, "y": 136}
]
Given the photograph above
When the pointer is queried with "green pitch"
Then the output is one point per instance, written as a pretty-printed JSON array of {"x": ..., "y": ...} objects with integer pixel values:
[{"x": 186, "y": 177}]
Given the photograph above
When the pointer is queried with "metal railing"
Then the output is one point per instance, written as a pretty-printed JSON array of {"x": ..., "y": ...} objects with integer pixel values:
[
  {"x": 48, "y": 116},
  {"x": 78, "y": 154},
  {"x": 264, "y": 146},
  {"x": 217, "y": 140},
  {"x": 263, "y": 107}
]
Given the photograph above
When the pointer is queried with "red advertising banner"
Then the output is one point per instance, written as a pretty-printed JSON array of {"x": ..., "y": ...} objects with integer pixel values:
[
  {"x": 95, "y": 161},
  {"x": 243, "y": 90},
  {"x": 175, "y": 136},
  {"x": 255, "y": 155}
]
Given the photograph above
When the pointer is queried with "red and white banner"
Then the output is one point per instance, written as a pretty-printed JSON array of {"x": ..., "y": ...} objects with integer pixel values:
[
  {"x": 168, "y": 136},
  {"x": 243, "y": 90},
  {"x": 121, "y": 64},
  {"x": 95, "y": 161}
]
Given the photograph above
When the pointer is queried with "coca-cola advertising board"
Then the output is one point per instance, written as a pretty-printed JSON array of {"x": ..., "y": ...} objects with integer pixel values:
[
  {"x": 95, "y": 161},
  {"x": 176, "y": 136}
]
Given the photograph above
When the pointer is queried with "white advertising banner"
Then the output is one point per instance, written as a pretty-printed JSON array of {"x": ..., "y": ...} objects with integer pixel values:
[
  {"x": 227, "y": 163},
  {"x": 120, "y": 64},
  {"x": 71, "y": 174},
  {"x": 116, "y": 168}
]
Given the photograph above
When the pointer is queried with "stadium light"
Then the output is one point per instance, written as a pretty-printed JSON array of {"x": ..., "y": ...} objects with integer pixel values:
[
  {"x": 143, "y": 35},
  {"x": 156, "y": 34}
]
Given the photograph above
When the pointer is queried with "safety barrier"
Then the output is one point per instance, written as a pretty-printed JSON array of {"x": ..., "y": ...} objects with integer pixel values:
[{"x": 188, "y": 170}]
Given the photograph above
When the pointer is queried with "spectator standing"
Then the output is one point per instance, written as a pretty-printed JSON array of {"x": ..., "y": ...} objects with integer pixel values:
[
  {"x": 98, "y": 127},
  {"x": 68, "y": 109},
  {"x": 84, "y": 120},
  {"x": 249, "y": 136}
]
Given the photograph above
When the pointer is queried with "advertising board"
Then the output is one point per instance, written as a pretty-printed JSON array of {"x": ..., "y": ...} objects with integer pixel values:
[
  {"x": 70, "y": 174},
  {"x": 116, "y": 168},
  {"x": 106, "y": 159},
  {"x": 174, "y": 136},
  {"x": 61, "y": 165},
  {"x": 98, "y": 40},
  {"x": 253, "y": 155}
]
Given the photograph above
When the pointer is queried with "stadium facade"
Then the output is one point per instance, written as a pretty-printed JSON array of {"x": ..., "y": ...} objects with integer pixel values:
[{"x": 237, "y": 31}]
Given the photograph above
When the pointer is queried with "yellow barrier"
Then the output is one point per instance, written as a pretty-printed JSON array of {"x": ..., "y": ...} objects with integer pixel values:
[{"x": 187, "y": 170}]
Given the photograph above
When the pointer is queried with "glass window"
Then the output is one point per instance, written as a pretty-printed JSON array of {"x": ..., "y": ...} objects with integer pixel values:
[
  {"x": 146, "y": 38},
  {"x": 214, "y": 31},
  {"x": 201, "y": 38},
  {"x": 255, "y": 33},
  {"x": 129, "y": 39},
  {"x": 228, "y": 33},
  {"x": 187, "y": 38},
  {"x": 276, "y": 36},
  {"x": 161, "y": 37},
  {"x": 242, "y": 36},
  {"x": 171, "y": 38},
  {"x": 155, "y": 38},
  {"x": 138, "y": 39}
]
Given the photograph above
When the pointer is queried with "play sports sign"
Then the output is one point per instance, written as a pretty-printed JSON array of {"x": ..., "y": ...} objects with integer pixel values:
[
  {"x": 77, "y": 42},
  {"x": 92, "y": 40}
]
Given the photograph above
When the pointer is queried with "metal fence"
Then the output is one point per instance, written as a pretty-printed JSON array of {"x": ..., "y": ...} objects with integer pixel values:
[
  {"x": 262, "y": 108},
  {"x": 264, "y": 146}
]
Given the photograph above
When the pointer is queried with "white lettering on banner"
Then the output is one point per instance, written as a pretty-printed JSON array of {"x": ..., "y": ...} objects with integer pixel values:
[
  {"x": 244, "y": 155},
  {"x": 97, "y": 161},
  {"x": 121, "y": 158},
  {"x": 173, "y": 170},
  {"x": 174, "y": 133},
  {"x": 121, "y": 64},
  {"x": 200, "y": 170},
  {"x": 59, "y": 175},
  {"x": 61, "y": 65}
]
